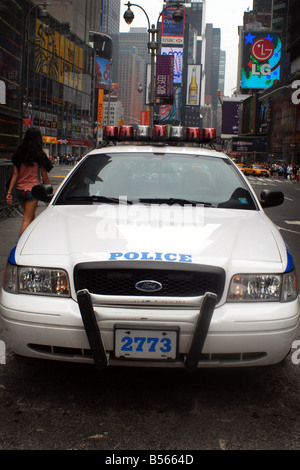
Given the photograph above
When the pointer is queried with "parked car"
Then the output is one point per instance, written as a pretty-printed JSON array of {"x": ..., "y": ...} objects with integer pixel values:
[
  {"x": 256, "y": 170},
  {"x": 156, "y": 255}
]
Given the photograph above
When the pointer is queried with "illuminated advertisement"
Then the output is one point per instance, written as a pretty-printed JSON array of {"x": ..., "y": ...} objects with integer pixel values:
[
  {"x": 193, "y": 88},
  {"x": 58, "y": 57},
  {"x": 261, "y": 60},
  {"x": 102, "y": 73},
  {"x": 164, "y": 76},
  {"x": 172, "y": 33},
  {"x": 177, "y": 53}
]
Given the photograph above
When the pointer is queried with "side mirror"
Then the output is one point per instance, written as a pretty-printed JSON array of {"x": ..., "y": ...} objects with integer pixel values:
[
  {"x": 271, "y": 198},
  {"x": 42, "y": 192}
]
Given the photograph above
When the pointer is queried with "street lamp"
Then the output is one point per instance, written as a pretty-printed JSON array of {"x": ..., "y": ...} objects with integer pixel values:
[{"x": 152, "y": 43}]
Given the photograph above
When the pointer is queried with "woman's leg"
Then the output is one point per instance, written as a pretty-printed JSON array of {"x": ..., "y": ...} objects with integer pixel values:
[{"x": 29, "y": 214}]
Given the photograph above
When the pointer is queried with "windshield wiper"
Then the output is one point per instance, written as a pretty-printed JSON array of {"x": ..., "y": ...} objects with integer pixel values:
[
  {"x": 173, "y": 200},
  {"x": 91, "y": 199}
]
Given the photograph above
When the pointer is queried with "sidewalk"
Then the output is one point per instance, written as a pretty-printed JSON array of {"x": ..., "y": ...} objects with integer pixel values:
[{"x": 9, "y": 232}]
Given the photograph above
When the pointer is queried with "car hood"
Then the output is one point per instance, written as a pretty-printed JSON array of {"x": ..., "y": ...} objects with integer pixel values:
[{"x": 66, "y": 235}]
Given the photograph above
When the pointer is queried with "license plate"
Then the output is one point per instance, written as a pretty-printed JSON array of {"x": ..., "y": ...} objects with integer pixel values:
[{"x": 145, "y": 344}]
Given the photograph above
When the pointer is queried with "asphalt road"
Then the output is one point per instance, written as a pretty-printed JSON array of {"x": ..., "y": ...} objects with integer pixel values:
[{"x": 55, "y": 406}]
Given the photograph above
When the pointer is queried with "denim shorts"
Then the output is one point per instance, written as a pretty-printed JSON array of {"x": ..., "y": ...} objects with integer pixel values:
[{"x": 24, "y": 196}]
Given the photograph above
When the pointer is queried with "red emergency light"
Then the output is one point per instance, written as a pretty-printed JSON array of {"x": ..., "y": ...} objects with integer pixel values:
[
  {"x": 126, "y": 133},
  {"x": 177, "y": 134},
  {"x": 208, "y": 135},
  {"x": 160, "y": 133},
  {"x": 111, "y": 133},
  {"x": 193, "y": 134}
]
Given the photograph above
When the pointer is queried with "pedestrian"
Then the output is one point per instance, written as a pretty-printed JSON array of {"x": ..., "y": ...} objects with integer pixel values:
[
  {"x": 29, "y": 162},
  {"x": 295, "y": 170}
]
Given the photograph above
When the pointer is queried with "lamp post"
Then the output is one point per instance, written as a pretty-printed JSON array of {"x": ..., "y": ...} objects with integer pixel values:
[{"x": 153, "y": 43}]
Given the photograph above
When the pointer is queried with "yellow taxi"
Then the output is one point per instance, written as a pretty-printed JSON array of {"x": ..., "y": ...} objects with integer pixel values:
[
  {"x": 256, "y": 170},
  {"x": 241, "y": 166}
]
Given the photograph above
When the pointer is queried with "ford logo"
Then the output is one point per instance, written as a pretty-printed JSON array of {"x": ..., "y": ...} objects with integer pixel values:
[{"x": 148, "y": 286}]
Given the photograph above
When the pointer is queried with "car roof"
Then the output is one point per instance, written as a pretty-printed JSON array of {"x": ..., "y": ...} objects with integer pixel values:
[{"x": 168, "y": 149}]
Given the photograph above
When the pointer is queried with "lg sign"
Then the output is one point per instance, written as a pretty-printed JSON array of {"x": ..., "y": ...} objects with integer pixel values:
[
  {"x": 261, "y": 60},
  {"x": 262, "y": 49}
]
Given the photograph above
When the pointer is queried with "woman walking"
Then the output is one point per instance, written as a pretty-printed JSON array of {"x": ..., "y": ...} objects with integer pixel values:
[{"x": 29, "y": 162}]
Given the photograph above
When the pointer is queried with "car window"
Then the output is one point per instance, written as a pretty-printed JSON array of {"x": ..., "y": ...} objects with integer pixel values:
[{"x": 156, "y": 178}]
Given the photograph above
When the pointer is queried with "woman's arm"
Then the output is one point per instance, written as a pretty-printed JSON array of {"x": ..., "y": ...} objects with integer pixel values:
[
  {"x": 45, "y": 176},
  {"x": 11, "y": 185}
]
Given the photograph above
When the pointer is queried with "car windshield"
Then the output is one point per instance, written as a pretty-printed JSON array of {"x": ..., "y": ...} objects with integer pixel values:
[{"x": 156, "y": 178}]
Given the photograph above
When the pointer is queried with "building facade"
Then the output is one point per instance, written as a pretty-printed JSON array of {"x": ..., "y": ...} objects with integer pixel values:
[
  {"x": 11, "y": 41},
  {"x": 47, "y": 75},
  {"x": 130, "y": 73},
  {"x": 110, "y": 20},
  {"x": 80, "y": 16},
  {"x": 212, "y": 69},
  {"x": 270, "y": 114}
]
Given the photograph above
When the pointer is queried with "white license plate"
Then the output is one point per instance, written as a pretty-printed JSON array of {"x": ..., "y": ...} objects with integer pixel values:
[{"x": 145, "y": 344}]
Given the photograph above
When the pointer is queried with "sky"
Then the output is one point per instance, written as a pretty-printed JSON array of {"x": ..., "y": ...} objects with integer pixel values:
[{"x": 224, "y": 14}]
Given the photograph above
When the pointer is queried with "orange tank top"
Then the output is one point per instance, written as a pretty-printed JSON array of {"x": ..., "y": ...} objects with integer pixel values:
[{"x": 28, "y": 177}]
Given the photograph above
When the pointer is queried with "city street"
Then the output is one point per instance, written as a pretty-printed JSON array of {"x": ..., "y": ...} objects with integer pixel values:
[{"x": 51, "y": 406}]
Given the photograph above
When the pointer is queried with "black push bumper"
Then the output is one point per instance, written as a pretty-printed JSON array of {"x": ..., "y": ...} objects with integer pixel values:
[{"x": 94, "y": 336}]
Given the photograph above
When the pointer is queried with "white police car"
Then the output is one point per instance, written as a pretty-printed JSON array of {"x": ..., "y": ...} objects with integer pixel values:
[{"x": 152, "y": 255}]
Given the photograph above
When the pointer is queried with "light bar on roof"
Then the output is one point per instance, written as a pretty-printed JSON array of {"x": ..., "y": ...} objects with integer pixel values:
[{"x": 176, "y": 134}]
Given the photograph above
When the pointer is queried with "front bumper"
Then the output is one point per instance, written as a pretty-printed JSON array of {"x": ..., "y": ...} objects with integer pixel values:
[{"x": 229, "y": 335}]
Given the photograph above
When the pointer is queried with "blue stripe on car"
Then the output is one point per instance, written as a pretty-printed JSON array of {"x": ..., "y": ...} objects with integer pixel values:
[
  {"x": 290, "y": 262},
  {"x": 12, "y": 257}
]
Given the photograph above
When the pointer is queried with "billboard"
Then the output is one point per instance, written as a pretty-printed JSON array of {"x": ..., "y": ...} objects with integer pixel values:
[
  {"x": 177, "y": 53},
  {"x": 58, "y": 57},
  {"x": 172, "y": 33},
  {"x": 103, "y": 73},
  {"x": 164, "y": 76},
  {"x": 231, "y": 117},
  {"x": 193, "y": 85},
  {"x": 261, "y": 60}
]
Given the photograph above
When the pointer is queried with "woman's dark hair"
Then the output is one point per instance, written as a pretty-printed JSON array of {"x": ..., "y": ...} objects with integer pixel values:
[{"x": 31, "y": 150}]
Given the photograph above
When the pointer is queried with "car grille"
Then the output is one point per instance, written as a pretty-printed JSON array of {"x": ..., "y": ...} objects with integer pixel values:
[{"x": 175, "y": 283}]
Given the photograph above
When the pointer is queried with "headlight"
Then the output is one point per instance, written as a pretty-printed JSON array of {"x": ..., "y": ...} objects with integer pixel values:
[
  {"x": 263, "y": 288},
  {"x": 34, "y": 280}
]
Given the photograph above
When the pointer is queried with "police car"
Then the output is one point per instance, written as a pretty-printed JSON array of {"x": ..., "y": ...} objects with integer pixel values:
[{"x": 152, "y": 254}]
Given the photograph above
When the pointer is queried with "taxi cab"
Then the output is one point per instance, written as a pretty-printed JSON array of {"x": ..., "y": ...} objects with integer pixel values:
[
  {"x": 256, "y": 170},
  {"x": 241, "y": 167},
  {"x": 139, "y": 260}
]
